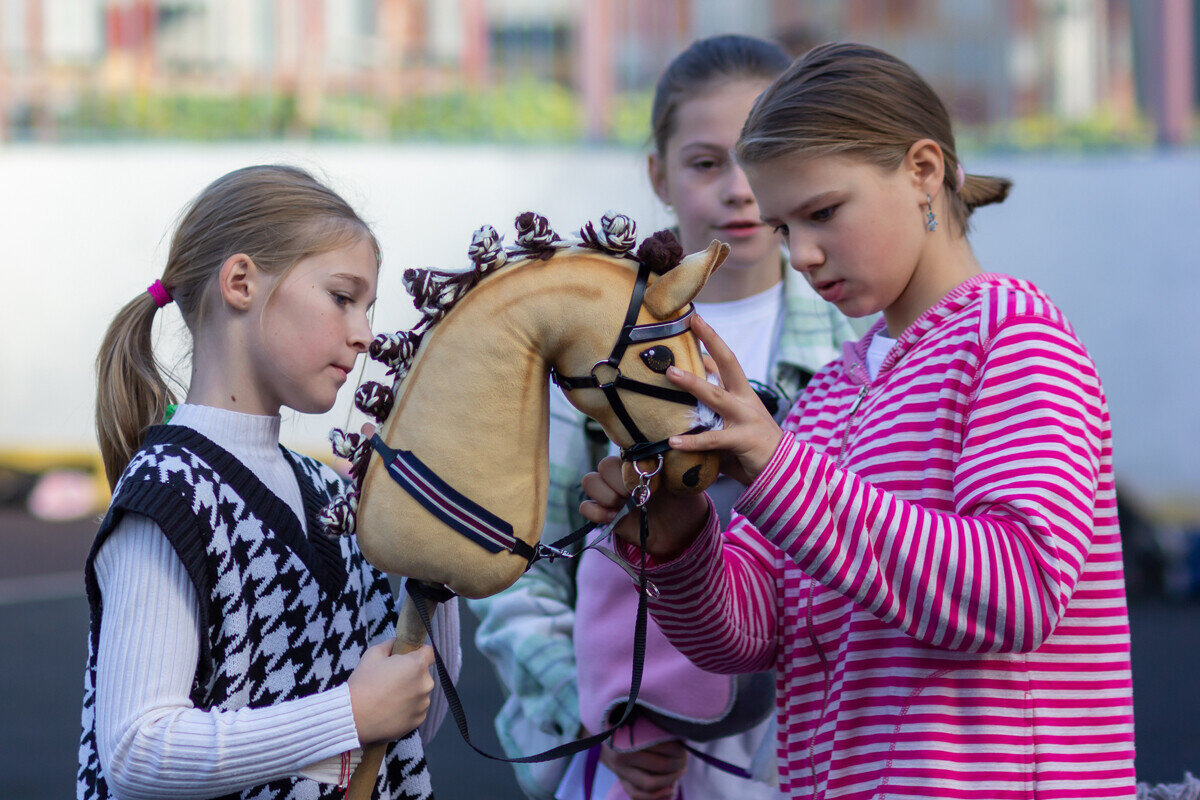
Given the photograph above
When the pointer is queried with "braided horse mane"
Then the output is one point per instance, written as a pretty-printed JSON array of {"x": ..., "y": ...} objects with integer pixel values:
[{"x": 436, "y": 292}]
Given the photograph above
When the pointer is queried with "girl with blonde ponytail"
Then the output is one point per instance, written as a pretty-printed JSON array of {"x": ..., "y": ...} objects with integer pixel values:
[
  {"x": 235, "y": 648},
  {"x": 927, "y": 550},
  {"x": 132, "y": 392}
]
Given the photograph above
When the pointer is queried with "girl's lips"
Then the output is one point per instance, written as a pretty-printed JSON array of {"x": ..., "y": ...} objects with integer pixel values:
[
  {"x": 740, "y": 230},
  {"x": 830, "y": 291}
]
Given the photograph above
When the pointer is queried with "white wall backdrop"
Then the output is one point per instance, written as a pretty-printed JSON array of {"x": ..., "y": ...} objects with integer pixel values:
[{"x": 1115, "y": 240}]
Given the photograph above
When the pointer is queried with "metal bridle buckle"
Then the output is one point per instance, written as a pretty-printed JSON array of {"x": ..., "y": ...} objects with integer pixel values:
[
  {"x": 550, "y": 553},
  {"x": 641, "y": 492}
]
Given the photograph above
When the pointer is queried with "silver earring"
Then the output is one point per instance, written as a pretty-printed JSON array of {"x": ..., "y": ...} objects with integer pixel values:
[{"x": 930, "y": 217}]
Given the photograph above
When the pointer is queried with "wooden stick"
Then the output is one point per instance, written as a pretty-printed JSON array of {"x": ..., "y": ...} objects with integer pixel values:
[{"x": 410, "y": 634}]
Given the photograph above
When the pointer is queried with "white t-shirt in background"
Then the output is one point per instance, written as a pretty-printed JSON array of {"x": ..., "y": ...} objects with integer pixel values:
[{"x": 750, "y": 327}]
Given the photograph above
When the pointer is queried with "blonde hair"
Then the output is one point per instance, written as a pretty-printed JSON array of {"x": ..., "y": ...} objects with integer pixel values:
[
  {"x": 276, "y": 215},
  {"x": 856, "y": 100}
]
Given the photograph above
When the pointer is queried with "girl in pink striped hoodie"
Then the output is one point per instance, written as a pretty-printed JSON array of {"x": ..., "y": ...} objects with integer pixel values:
[{"x": 927, "y": 552}]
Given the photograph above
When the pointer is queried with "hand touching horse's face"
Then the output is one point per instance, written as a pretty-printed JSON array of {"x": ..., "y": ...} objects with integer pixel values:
[{"x": 668, "y": 297}]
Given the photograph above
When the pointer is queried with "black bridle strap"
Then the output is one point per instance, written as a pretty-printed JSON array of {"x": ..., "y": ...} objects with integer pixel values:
[
  {"x": 631, "y": 315},
  {"x": 618, "y": 407},
  {"x": 658, "y": 392},
  {"x": 623, "y": 383},
  {"x": 643, "y": 450},
  {"x": 419, "y": 593}
]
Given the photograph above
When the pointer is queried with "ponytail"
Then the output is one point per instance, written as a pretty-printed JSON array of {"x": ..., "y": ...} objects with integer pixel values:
[
  {"x": 966, "y": 192},
  {"x": 131, "y": 392},
  {"x": 983, "y": 190}
]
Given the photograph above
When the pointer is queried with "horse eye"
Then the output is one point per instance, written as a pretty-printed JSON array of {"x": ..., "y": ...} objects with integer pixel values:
[{"x": 658, "y": 358}]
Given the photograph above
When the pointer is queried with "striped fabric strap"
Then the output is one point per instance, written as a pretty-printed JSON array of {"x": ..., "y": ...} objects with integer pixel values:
[{"x": 449, "y": 505}]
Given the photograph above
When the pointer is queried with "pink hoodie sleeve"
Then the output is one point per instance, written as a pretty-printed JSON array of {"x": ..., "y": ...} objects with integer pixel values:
[
  {"x": 719, "y": 604},
  {"x": 995, "y": 573}
]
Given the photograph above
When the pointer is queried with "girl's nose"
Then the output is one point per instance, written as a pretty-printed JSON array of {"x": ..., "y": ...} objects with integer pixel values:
[
  {"x": 360, "y": 333},
  {"x": 804, "y": 253},
  {"x": 736, "y": 190}
]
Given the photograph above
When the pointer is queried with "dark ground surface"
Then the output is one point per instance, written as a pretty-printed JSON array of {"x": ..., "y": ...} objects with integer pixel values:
[{"x": 43, "y": 628}]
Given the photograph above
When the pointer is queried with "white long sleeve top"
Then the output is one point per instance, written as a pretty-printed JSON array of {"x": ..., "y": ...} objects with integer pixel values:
[{"x": 151, "y": 739}]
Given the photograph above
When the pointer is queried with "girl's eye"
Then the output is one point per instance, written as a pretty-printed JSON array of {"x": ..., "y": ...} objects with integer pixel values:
[
  {"x": 658, "y": 358},
  {"x": 342, "y": 299},
  {"x": 704, "y": 164},
  {"x": 824, "y": 214},
  {"x": 780, "y": 229}
]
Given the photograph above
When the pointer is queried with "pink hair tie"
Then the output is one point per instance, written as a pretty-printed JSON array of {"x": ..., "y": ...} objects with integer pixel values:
[
  {"x": 961, "y": 175},
  {"x": 159, "y": 293}
]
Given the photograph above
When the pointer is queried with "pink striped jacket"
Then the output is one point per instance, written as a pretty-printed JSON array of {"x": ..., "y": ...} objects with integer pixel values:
[{"x": 932, "y": 563}]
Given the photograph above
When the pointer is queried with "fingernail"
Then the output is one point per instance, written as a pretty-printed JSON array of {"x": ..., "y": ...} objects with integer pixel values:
[
  {"x": 675, "y": 441},
  {"x": 674, "y": 371}
]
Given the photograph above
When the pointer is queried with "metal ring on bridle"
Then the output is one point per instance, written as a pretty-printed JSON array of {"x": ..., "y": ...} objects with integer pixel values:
[
  {"x": 641, "y": 492},
  {"x": 605, "y": 363},
  {"x": 645, "y": 477}
]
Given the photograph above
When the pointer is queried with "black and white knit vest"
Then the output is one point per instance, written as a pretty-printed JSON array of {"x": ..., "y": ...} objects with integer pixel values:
[{"x": 240, "y": 544}]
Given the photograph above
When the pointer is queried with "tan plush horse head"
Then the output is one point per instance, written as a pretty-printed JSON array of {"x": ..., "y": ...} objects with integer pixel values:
[{"x": 458, "y": 492}]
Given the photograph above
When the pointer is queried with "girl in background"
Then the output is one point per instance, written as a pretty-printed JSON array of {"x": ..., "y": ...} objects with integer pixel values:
[
  {"x": 784, "y": 332},
  {"x": 236, "y": 649},
  {"x": 928, "y": 551}
]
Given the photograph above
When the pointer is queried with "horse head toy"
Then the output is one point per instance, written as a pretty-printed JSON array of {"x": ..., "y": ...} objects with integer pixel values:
[{"x": 458, "y": 494}]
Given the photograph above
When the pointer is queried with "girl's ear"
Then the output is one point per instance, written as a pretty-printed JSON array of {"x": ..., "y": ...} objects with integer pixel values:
[
  {"x": 927, "y": 165},
  {"x": 657, "y": 170},
  {"x": 238, "y": 281}
]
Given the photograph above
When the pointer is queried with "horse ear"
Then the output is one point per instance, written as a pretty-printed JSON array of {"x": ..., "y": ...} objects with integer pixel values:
[{"x": 675, "y": 289}]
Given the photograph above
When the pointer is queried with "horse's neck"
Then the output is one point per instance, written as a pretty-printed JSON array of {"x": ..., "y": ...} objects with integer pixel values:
[{"x": 475, "y": 403}]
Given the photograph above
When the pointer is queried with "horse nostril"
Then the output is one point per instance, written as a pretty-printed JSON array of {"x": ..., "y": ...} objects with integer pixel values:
[{"x": 691, "y": 477}]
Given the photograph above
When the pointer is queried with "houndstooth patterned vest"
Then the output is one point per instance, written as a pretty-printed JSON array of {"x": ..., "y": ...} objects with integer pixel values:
[{"x": 225, "y": 525}]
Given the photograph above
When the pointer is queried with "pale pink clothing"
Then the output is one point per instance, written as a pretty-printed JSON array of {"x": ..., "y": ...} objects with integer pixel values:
[{"x": 605, "y": 613}]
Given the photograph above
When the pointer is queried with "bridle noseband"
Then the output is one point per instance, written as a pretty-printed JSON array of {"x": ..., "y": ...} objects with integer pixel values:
[{"x": 606, "y": 375}]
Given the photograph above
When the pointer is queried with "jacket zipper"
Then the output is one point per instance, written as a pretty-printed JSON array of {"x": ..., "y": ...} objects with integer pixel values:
[
  {"x": 812, "y": 634},
  {"x": 862, "y": 393}
]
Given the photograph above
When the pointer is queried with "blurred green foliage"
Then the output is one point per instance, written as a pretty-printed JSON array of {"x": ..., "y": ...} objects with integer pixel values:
[
  {"x": 526, "y": 111},
  {"x": 1042, "y": 132},
  {"x": 523, "y": 112},
  {"x": 191, "y": 116}
]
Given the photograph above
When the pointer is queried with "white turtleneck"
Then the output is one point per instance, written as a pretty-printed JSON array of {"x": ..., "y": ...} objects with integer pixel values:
[{"x": 151, "y": 740}]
